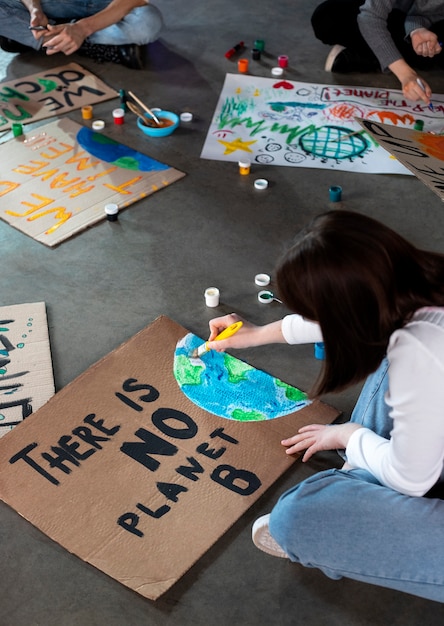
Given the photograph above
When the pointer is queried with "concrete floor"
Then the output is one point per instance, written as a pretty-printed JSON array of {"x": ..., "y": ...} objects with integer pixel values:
[{"x": 211, "y": 228}]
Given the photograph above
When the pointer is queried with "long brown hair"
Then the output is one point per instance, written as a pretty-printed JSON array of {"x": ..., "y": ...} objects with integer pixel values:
[{"x": 360, "y": 281}]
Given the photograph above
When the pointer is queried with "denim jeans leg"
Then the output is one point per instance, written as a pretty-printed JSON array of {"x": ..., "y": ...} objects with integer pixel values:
[
  {"x": 348, "y": 525},
  {"x": 14, "y": 22},
  {"x": 141, "y": 26},
  {"x": 371, "y": 409}
]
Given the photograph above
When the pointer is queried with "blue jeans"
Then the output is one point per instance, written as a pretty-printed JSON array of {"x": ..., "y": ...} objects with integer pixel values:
[
  {"x": 346, "y": 523},
  {"x": 141, "y": 26}
]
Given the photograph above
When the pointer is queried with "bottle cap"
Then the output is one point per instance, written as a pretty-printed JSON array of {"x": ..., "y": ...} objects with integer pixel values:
[{"x": 261, "y": 184}]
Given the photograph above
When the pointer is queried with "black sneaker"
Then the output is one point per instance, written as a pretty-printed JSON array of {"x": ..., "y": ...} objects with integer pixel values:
[
  {"x": 129, "y": 55},
  {"x": 341, "y": 60},
  {"x": 9, "y": 45}
]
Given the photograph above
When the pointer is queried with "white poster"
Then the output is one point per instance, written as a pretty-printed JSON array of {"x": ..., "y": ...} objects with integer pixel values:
[{"x": 282, "y": 122}]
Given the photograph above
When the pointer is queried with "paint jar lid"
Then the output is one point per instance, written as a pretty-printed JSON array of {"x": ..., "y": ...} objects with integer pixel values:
[
  {"x": 186, "y": 116},
  {"x": 244, "y": 163},
  {"x": 111, "y": 209},
  {"x": 262, "y": 280},
  {"x": 260, "y": 183},
  {"x": 277, "y": 71},
  {"x": 98, "y": 125},
  {"x": 118, "y": 113}
]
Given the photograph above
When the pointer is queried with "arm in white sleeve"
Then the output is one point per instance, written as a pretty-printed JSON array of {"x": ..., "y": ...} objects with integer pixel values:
[
  {"x": 296, "y": 329},
  {"x": 411, "y": 461}
]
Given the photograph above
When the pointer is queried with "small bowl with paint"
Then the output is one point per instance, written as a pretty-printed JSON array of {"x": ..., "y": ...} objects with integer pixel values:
[{"x": 169, "y": 121}]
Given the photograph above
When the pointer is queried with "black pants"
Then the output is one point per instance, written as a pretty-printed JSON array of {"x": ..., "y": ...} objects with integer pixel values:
[{"x": 335, "y": 22}]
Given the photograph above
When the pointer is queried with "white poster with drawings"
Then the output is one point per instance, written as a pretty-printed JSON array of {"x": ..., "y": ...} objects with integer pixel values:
[{"x": 282, "y": 122}]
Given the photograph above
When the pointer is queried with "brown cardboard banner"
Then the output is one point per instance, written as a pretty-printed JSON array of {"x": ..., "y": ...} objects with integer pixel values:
[
  {"x": 50, "y": 93},
  {"x": 124, "y": 471},
  {"x": 26, "y": 378},
  {"x": 421, "y": 152},
  {"x": 57, "y": 182}
]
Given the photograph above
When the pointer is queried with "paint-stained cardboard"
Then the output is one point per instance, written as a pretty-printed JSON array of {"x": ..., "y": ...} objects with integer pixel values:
[
  {"x": 57, "y": 181},
  {"x": 421, "y": 152},
  {"x": 128, "y": 474},
  {"x": 49, "y": 93},
  {"x": 26, "y": 377}
]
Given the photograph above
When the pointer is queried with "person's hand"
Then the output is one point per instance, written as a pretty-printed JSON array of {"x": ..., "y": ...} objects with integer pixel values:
[
  {"x": 413, "y": 87},
  {"x": 425, "y": 43},
  {"x": 317, "y": 437},
  {"x": 38, "y": 23},
  {"x": 244, "y": 337},
  {"x": 66, "y": 38}
]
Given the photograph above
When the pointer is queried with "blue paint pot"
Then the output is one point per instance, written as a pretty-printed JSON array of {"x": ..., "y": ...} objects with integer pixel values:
[{"x": 170, "y": 121}]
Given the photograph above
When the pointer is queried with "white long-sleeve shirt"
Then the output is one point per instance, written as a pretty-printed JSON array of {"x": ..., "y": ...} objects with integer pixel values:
[{"x": 412, "y": 460}]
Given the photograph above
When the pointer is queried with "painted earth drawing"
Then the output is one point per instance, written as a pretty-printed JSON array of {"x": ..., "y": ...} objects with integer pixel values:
[{"x": 230, "y": 388}]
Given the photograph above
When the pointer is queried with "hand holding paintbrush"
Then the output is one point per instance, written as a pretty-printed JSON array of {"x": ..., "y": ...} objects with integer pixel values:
[{"x": 227, "y": 332}]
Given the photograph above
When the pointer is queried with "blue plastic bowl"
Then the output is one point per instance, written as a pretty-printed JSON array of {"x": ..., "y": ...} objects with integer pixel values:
[{"x": 156, "y": 131}]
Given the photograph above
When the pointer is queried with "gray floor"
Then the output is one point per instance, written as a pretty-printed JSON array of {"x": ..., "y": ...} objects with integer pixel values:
[{"x": 104, "y": 285}]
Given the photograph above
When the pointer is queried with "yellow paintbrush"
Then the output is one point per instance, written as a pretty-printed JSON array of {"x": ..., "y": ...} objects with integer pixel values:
[{"x": 228, "y": 332}]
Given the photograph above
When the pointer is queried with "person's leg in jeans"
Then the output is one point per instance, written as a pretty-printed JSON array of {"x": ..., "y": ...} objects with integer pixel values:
[
  {"x": 14, "y": 22},
  {"x": 115, "y": 43},
  {"x": 346, "y": 523}
]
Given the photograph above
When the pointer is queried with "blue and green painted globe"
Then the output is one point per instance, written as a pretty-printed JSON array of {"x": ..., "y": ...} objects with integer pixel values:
[{"x": 228, "y": 387}]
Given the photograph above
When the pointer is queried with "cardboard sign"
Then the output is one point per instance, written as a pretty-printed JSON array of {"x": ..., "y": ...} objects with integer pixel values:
[
  {"x": 275, "y": 121},
  {"x": 124, "y": 471},
  {"x": 421, "y": 152},
  {"x": 58, "y": 181},
  {"x": 50, "y": 93},
  {"x": 26, "y": 377}
]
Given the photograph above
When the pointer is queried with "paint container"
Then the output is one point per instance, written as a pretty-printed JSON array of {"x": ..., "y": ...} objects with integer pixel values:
[
  {"x": 98, "y": 125},
  {"x": 242, "y": 66},
  {"x": 186, "y": 116},
  {"x": 123, "y": 99},
  {"x": 17, "y": 130},
  {"x": 265, "y": 296},
  {"x": 112, "y": 211},
  {"x": 283, "y": 60},
  {"x": 418, "y": 125},
  {"x": 244, "y": 167},
  {"x": 119, "y": 116},
  {"x": 212, "y": 296},
  {"x": 259, "y": 44},
  {"x": 262, "y": 280},
  {"x": 260, "y": 184},
  {"x": 277, "y": 71},
  {"x": 87, "y": 112},
  {"x": 256, "y": 54},
  {"x": 335, "y": 193},
  {"x": 319, "y": 351}
]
